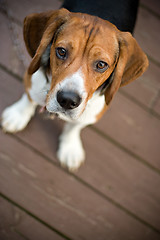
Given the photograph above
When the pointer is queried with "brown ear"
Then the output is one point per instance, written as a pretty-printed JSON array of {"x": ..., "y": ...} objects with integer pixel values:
[
  {"x": 131, "y": 64},
  {"x": 38, "y": 32}
]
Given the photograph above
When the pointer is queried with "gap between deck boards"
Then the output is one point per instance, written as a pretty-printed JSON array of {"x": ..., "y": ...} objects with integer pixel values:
[
  {"x": 80, "y": 180},
  {"x": 35, "y": 217}
]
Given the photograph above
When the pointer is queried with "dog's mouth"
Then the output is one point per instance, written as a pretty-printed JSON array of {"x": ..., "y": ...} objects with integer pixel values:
[
  {"x": 42, "y": 109},
  {"x": 48, "y": 115},
  {"x": 64, "y": 115}
]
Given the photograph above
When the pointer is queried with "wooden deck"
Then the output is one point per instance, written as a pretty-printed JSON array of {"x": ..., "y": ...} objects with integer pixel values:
[{"x": 115, "y": 195}]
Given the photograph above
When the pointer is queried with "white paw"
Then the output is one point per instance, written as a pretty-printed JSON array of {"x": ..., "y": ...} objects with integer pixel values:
[
  {"x": 71, "y": 154},
  {"x": 16, "y": 117}
]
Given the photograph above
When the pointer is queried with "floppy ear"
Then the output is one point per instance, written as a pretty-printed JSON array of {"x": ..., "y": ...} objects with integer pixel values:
[
  {"x": 38, "y": 32},
  {"x": 132, "y": 62}
]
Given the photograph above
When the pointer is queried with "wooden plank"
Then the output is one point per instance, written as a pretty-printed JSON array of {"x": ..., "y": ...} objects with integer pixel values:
[
  {"x": 8, "y": 234},
  {"x": 12, "y": 45},
  {"x": 120, "y": 177},
  {"x": 153, "y": 5},
  {"x": 132, "y": 186},
  {"x": 16, "y": 224},
  {"x": 157, "y": 104},
  {"x": 20, "y": 11},
  {"x": 134, "y": 128},
  {"x": 60, "y": 200},
  {"x": 8, "y": 54},
  {"x": 147, "y": 33},
  {"x": 145, "y": 89}
]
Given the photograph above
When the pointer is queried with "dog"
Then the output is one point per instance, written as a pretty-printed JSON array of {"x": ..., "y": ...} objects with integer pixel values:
[{"x": 79, "y": 61}]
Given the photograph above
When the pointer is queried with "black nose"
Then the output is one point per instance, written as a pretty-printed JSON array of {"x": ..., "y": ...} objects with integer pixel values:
[{"x": 68, "y": 100}]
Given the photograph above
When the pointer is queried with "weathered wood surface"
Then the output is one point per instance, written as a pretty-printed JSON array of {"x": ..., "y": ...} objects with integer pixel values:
[
  {"x": 17, "y": 224},
  {"x": 115, "y": 194}
]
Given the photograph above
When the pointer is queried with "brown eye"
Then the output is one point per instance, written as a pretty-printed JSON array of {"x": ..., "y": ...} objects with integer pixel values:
[
  {"x": 101, "y": 66},
  {"x": 61, "y": 53}
]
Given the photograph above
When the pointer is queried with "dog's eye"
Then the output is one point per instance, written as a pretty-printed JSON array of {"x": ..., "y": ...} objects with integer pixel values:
[
  {"x": 61, "y": 53},
  {"x": 101, "y": 66}
]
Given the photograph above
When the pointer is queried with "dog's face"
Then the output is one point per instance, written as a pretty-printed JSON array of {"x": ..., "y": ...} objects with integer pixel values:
[
  {"x": 80, "y": 63},
  {"x": 83, "y": 53}
]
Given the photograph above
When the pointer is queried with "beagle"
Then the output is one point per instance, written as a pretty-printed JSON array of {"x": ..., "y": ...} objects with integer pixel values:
[{"x": 79, "y": 61}]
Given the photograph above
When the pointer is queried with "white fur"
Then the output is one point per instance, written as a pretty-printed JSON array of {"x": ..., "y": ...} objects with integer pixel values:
[
  {"x": 39, "y": 87},
  {"x": 71, "y": 153},
  {"x": 74, "y": 83},
  {"x": 16, "y": 117}
]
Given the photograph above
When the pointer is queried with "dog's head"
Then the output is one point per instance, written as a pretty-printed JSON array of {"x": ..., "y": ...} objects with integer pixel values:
[{"x": 84, "y": 54}]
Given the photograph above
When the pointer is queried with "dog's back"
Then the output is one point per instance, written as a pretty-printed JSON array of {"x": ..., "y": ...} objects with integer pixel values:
[{"x": 122, "y": 13}]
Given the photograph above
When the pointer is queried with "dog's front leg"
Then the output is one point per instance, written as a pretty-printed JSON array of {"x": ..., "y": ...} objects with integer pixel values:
[
  {"x": 70, "y": 152},
  {"x": 16, "y": 117}
]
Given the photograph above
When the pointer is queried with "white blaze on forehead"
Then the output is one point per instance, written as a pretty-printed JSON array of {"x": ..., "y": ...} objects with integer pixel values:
[{"x": 74, "y": 82}]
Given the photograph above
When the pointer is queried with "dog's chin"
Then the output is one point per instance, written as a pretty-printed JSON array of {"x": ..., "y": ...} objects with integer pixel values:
[{"x": 69, "y": 116}]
